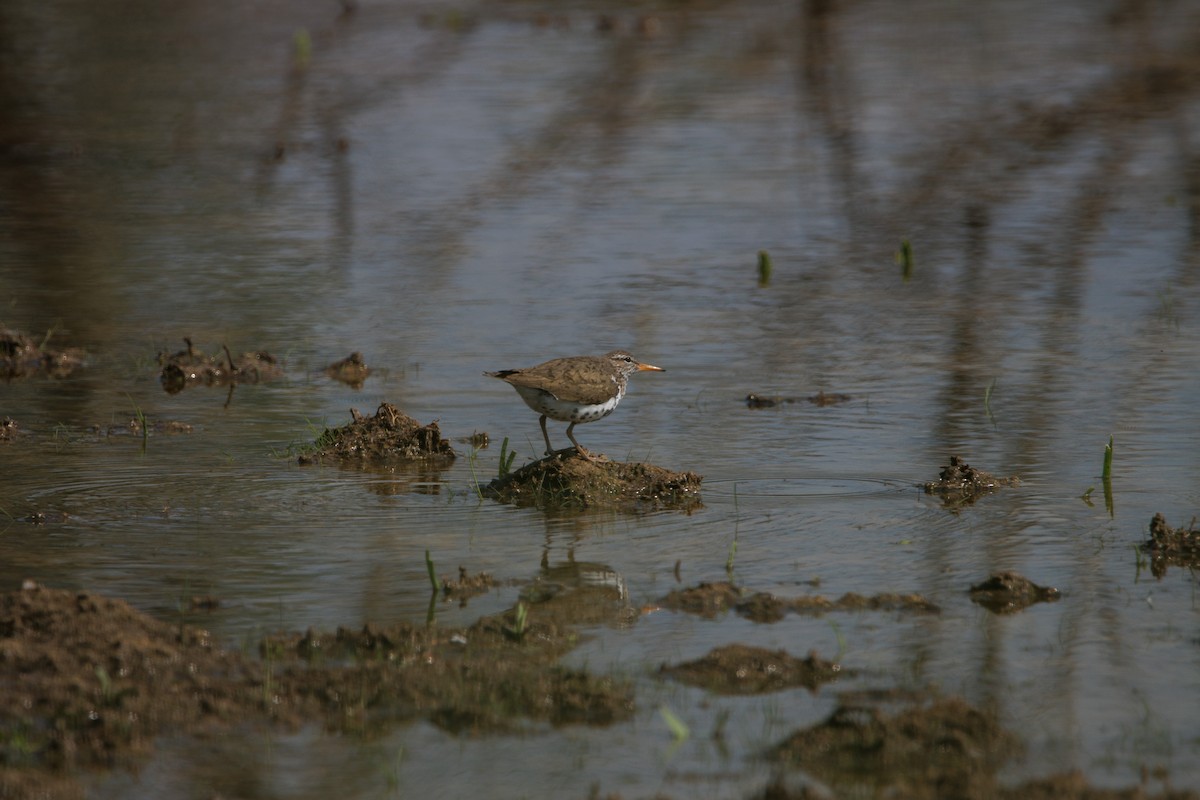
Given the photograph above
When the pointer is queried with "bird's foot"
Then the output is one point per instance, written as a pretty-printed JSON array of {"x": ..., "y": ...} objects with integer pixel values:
[{"x": 598, "y": 458}]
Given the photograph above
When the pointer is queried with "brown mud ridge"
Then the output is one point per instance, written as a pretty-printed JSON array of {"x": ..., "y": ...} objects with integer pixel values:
[
  {"x": 21, "y": 356},
  {"x": 351, "y": 370},
  {"x": 89, "y": 683},
  {"x": 710, "y": 599},
  {"x": 190, "y": 368},
  {"x": 1166, "y": 545},
  {"x": 818, "y": 399},
  {"x": 1008, "y": 593},
  {"x": 960, "y": 484},
  {"x": 739, "y": 669},
  {"x": 568, "y": 480},
  {"x": 390, "y": 434},
  {"x": 930, "y": 748}
]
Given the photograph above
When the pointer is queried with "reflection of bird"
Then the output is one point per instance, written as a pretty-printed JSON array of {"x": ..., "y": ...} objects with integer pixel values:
[{"x": 577, "y": 389}]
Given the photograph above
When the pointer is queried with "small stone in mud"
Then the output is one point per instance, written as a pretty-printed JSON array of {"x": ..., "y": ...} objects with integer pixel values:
[
  {"x": 390, "y": 434},
  {"x": 191, "y": 368},
  {"x": 1166, "y": 545},
  {"x": 960, "y": 484},
  {"x": 351, "y": 370},
  {"x": 21, "y": 356},
  {"x": 1008, "y": 592},
  {"x": 568, "y": 480},
  {"x": 739, "y": 669}
]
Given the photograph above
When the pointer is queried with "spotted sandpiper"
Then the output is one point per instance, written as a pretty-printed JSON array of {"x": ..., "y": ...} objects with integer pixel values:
[{"x": 576, "y": 389}]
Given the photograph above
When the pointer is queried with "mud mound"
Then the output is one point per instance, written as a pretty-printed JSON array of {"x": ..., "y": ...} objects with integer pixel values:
[
  {"x": 568, "y": 480},
  {"x": 89, "y": 682},
  {"x": 1166, "y": 545},
  {"x": 21, "y": 356},
  {"x": 390, "y": 434},
  {"x": 351, "y": 370},
  {"x": 1008, "y": 593},
  {"x": 944, "y": 748},
  {"x": 739, "y": 669},
  {"x": 710, "y": 599},
  {"x": 191, "y": 368},
  {"x": 960, "y": 484}
]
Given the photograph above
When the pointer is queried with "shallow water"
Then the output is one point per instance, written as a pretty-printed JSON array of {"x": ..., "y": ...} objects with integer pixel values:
[{"x": 453, "y": 191}]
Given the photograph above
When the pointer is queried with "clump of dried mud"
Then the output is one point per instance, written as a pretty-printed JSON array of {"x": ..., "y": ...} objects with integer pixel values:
[
  {"x": 568, "y": 480},
  {"x": 390, "y": 434},
  {"x": 1008, "y": 593},
  {"x": 740, "y": 669},
  {"x": 21, "y": 356},
  {"x": 710, "y": 599},
  {"x": 1166, "y": 546},
  {"x": 960, "y": 484}
]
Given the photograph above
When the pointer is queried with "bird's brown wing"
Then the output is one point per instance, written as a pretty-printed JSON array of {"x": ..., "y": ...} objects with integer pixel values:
[{"x": 574, "y": 380}]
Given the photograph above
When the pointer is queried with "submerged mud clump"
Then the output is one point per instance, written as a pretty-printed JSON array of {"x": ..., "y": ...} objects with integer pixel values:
[
  {"x": 711, "y": 599},
  {"x": 1008, "y": 593},
  {"x": 960, "y": 484},
  {"x": 351, "y": 370},
  {"x": 21, "y": 356},
  {"x": 191, "y": 368},
  {"x": 1166, "y": 545},
  {"x": 819, "y": 399},
  {"x": 739, "y": 669},
  {"x": 390, "y": 434},
  {"x": 568, "y": 480},
  {"x": 89, "y": 682},
  {"x": 943, "y": 748}
]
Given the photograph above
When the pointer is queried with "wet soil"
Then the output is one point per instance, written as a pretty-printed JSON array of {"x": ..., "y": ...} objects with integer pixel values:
[
  {"x": 739, "y": 669},
  {"x": 711, "y": 599},
  {"x": 466, "y": 586},
  {"x": 21, "y": 356},
  {"x": 89, "y": 682},
  {"x": 389, "y": 435},
  {"x": 351, "y": 370},
  {"x": 1172, "y": 546},
  {"x": 928, "y": 748},
  {"x": 960, "y": 484},
  {"x": 568, "y": 480},
  {"x": 190, "y": 367},
  {"x": 1008, "y": 593},
  {"x": 941, "y": 748}
]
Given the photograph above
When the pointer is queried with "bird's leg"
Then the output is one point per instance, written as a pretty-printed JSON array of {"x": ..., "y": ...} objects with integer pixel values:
[
  {"x": 578, "y": 447},
  {"x": 549, "y": 449}
]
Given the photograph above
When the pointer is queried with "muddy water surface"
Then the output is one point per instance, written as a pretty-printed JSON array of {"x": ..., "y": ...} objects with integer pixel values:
[{"x": 453, "y": 191}]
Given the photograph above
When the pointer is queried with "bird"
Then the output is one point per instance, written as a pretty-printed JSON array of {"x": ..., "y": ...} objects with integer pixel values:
[{"x": 574, "y": 389}]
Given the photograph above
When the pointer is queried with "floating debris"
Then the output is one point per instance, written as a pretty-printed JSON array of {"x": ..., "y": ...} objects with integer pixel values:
[
  {"x": 390, "y": 434},
  {"x": 1008, "y": 593}
]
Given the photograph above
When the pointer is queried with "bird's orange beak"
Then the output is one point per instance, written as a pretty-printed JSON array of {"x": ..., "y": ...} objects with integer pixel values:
[{"x": 649, "y": 368}]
